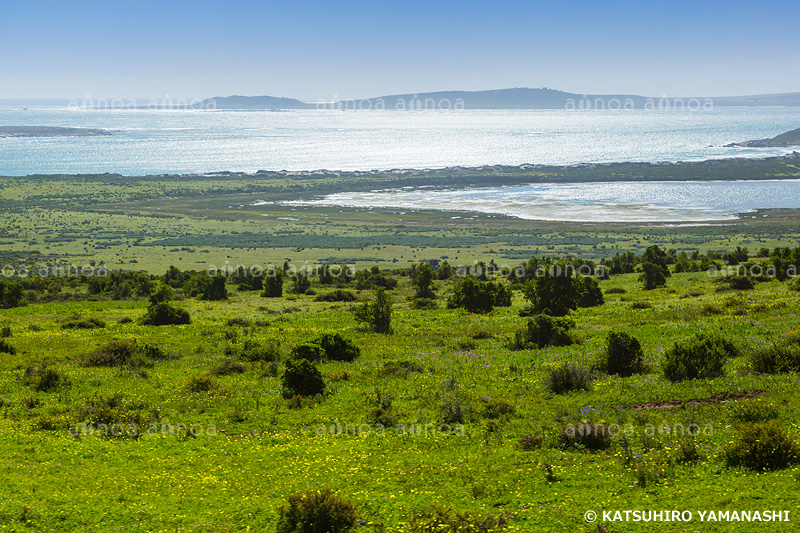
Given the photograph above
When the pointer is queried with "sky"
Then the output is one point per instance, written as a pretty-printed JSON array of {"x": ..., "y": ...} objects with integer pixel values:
[{"x": 321, "y": 51}]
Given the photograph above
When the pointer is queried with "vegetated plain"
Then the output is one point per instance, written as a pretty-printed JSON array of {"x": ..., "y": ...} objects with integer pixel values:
[{"x": 79, "y": 352}]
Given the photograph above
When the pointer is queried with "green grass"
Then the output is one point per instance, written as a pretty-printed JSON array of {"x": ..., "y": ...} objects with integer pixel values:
[{"x": 261, "y": 450}]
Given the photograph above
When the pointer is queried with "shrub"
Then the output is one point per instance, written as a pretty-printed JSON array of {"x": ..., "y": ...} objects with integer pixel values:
[
  {"x": 238, "y": 321},
  {"x": 641, "y": 305},
  {"x": 202, "y": 384},
  {"x": 163, "y": 314},
  {"x": 302, "y": 378},
  {"x": 623, "y": 355},
  {"x": 446, "y": 520},
  {"x": 125, "y": 353},
  {"x": 424, "y": 303},
  {"x": 310, "y": 351},
  {"x": 316, "y": 512},
  {"x": 530, "y": 442},
  {"x": 616, "y": 290},
  {"x": 492, "y": 408},
  {"x": 10, "y": 294},
  {"x": 338, "y": 295},
  {"x": 273, "y": 285},
  {"x": 456, "y": 409},
  {"x": 7, "y": 347},
  {"x": 45, "y": 379},
  {"x": 589, "y": 434},
  {"x": 479, "y": 296},
  {"x": 255, "y": 351},
  {"x": 422, "y": 280},
  {"x": 778, "y": 358},
  {"x": 338, "y": 347},
  {"x": 554, "y": 291},
  {"x": 227, "y": 368},
  {"x": 89, "y": 323},
  {"x": 589, "y": 293},
  {"x": 737, "y": 283},
  {"x": 761, "y": 446},
  {"x": 753, "y": 411},
  {"x": 566, "y": 378},
  {"x": 401, "y": 368},
  {"x": 701, "y": 357},
  {"x": 378, "y": 313},
  {"x": 652, "y": 275},
  {"x": 215, "y": 290},
  {"x": 543, "y": 330}
]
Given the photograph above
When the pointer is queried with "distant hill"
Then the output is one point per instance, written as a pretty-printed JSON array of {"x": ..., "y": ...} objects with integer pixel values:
[
  {"x": 517, "y": 98},
  {"x": 790, "y": 138},
  {"x": 49, "y": 131},
  {"x": 253, "y": 102}
]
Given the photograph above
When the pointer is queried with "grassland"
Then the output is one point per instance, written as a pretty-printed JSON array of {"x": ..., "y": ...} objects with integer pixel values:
[{"x": 254, "y": 447}]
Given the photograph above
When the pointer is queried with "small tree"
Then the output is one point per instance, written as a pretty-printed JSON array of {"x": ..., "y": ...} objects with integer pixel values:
[
  {"x": 301, "y": 377},
  {"x": 652, "y": 275},
  {"x": 163, "y": 314},
  {"x": 378, "y": 313},
  {"x": 623, "y": 355},
  {"x": 301, "y": 283},
  {"x": 216, "y": 290},
  {"x": 10, "y": 294},
  {"x": 590, "y": 294},
  {"x": 479, "y": 296},
  {"x": 423, "y": 281},
  {"x": 273, "y": 285},
  {"x": 554, "y": 291}
]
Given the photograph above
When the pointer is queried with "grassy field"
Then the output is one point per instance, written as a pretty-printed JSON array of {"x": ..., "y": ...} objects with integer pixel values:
[
  {"x": 252, "y": 449},
  {"x": 376, "y": 436}
]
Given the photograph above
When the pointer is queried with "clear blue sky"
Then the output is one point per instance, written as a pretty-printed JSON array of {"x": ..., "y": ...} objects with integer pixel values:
[{"x": 319, "y": 50}]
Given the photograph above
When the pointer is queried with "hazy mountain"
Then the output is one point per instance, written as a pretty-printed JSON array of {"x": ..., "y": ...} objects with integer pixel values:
[
  {"x": 517, "y": 98},
  {"x": 790, "y": 138}
]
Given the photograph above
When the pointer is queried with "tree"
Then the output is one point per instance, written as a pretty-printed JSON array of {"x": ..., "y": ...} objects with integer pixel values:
[
  {"x": 479, "y": 296},
  {"x": 657, "y": 256},
  {"x": 302, "y": 377},
  {"x": 423, "y": 281},
  {"x": 216, "y": 290},
  {"x": 10, "y": 294},
  {"x": 590, "y": 294},
  {"x": 378, "y": 313},
  {"x": 273, "y": 285},
  {"x": 652, "y": 275},
  {"x": 554, "y": 291}
]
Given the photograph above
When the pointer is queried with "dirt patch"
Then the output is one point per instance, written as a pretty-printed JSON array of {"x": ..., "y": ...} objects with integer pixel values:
[{"x": 717, "y": 398}]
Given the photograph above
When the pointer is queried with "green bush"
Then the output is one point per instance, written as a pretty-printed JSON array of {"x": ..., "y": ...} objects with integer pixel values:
[
  {"x": 554, "y": 291},
  {"x": 202, "y": 384},
  {"x": 623, "y": 355},
  {"x": 338, "y": 295},
  {"x": 479, "y": 296},
  {"x": 589, "y": 292},
  {"x": 89, "y": 323},
  {"x": 761, "y": 446},
  {"x": 227, "y": 368},
  {"x": 302, "y": 378},
  {"x": 543, "y": 330},
  {"x": 445, "y": 520},
  {"x": 338, "y": 347},
  {"x": 589, "y": 434},
  {"x": 215, "y": 290},
  {"x": 125, "y": 353},
  {"x": 163, "y": 314},
  {"x": 737, "y": 283},
  {"x": 378, "y": 313},
  {"x": 310, "y": 351},
  {"x": 273, "y": 285},
  {"x": 567, "y": 377},
  {"x": 492, "y": 408},
  {"x": 424, "y": 304},
  {"x": 700, "y": 357},
  {"x": 255, "y": 351},
  {"x": 45, "y": 379},
  {"x": 7, "y": 347},
  {"x": 778, "y": 358},
  {"x": 316, "y": 512},
  {"x": 400, "y": 368},
  {"x": 652, "y": 275}
]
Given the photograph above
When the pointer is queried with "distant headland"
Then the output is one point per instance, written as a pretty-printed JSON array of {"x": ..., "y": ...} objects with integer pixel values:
[
  {"x": 790, "y": 138},
  {"x": 49, "y": 131}
]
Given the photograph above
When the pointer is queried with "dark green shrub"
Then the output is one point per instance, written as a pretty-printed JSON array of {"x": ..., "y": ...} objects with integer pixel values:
[
  {"x": 273, "y": 285},
  {"x": 310, "y": 351},
  {"x": 238, "y": 322},
  {"x": 255, "y": 351},
  {"x": 163, "y": 314},
  {"x": 686, "y": 452},
  {"x": 554, "y": 291},
  {"x": 10, "y": 294},
  {"x": 623, "y": 355},
  {"x": 445, "y": 520},
  {"x": 492, "y": 408},
  {"x": 566, "y": 378},
  {"x": 45, "y": 379},
  {"x": 531, "y": 441},
  {"x": 761, "y": 446},
  {"x": 588, "y": 434},
  {"x": 89, "y": 323},
  {"x": 338, "y": 295},
  {"x": 300, "y": 284},
  {"x": 302, "y": 378},
  {"x": 616, "y": 290},
  {"x": 125, "y": 353},
  {"x": 778, "y": 358},
  {"x": 424, "y": 304},
  {"x": 202, "y": 384},
  {"x": 378, "y": 313},
  {"x": 338, "y": 347},
  {"x": 316, "y": 512},
  {"x": 479, "y": 296},
  {"x": 7, "y": 347},
  {"x": 589, "y": 293},
  {"x": 227, "y": 368},
  {"x": 543, "y": 330},
  {"x": 456, "y": 409},
  {"x": 422, "y": 280},
  {"x": 652, "y": 275},
  {"x": 215, "y": 290},
  {"x": 737, "y": 283},
  {"x": 700, "y": 357}
]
